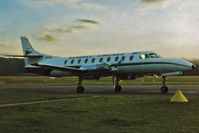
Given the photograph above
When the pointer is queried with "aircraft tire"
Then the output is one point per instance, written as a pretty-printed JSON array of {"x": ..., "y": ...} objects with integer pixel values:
[
  {"x": 118, "y": 88},
  {"x": 80, "y": 89},
  {"x": 164, "y": 89}
]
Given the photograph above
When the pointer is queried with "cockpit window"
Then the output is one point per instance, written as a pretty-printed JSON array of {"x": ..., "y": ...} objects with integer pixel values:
[
  {"x": 153, "y": 55},
  {"x": 150, "y": 55}
]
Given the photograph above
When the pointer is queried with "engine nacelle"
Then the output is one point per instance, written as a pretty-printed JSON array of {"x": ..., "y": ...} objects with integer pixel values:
[
  {"x": 171, "y": 74},
  {"x": 57, "y": 73}
]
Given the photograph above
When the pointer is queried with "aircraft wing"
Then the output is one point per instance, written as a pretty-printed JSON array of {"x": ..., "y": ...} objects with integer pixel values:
[
  {"x": 98, "y": 67},
  {"x": 56, "y": 67},
  {"x": 84, "y": 68}
]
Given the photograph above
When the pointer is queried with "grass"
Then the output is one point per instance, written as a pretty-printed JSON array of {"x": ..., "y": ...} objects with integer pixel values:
[
  {"x": 103, "y": 114},
  {"x": 14, "y": 81},
  {"x": 82, "y": 113}
]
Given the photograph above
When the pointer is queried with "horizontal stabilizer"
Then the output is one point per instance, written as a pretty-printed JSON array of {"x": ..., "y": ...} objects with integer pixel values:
[
  {"x": 29, "y": 55},
  {"x": 5, "y": 55},
  {"x": 34, "y": 55}
]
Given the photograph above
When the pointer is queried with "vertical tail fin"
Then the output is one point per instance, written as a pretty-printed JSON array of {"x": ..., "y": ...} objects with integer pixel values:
[
  {"x": 27, "y": 48},
  {"x": 31, "y": 56}
]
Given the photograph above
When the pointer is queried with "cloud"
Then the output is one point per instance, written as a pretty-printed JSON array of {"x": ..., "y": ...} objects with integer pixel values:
[
  {"x": 64, "y": 28},
  {"x": 2, "y": 45},
  {"x": 49, "y": 38},
  {"x": 75, "y": 4},
  {"x": 49, "y": 27},
  {"x": 66, "y": 1},
  {"x": 70, "y": 29},
  {"x": 75, "y": 29},
  {"x": 89, "y": 6},
  {"x": 77, "y": 24},
  {"x": 89, "y": 21},
  {"x": 152, "y": 1}
]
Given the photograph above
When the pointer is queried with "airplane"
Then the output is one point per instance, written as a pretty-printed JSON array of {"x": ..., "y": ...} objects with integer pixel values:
[{"x": 121, "y": 66}]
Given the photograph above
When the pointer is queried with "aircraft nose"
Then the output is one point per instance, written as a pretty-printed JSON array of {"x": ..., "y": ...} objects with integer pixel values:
[{"x": 193, "y": 66}]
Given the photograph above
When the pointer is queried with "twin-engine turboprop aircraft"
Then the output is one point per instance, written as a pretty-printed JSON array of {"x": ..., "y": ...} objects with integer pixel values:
[{"x": 123, "y": 66}]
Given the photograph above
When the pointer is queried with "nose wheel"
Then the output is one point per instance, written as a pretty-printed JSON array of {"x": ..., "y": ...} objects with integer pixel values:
[
  {"x": 118, "y": 88},
  {"x": 164, "y": 89}
]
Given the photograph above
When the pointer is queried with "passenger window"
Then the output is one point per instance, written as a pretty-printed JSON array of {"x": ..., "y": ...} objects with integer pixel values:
[
  {"x": 93, "y": 60},
  {"x": 108, "y": 59},
  {"x": 79, "y": 61},
  {"x": 65, "y": 62},
  {"x": 131, "y": 58},
  {"x": 123, "y": 58},
  {"x": 143, "y": 56},
  {"x": 72, "y": 61},
  {"x": 101, "y": 59},
  {"x": 116, "y": 58},
  {"x": 86, "y": 60}
]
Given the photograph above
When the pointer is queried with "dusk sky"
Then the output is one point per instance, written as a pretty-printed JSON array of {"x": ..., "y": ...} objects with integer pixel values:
[{"x": 89, "y": 27}]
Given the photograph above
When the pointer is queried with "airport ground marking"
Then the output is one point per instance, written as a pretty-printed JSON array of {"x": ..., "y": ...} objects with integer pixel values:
[{"x": 38, "y": 102}]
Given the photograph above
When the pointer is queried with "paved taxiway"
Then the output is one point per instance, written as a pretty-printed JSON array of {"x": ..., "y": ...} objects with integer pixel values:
[
  {"x": 192, "y": 90},
  {"x": 99, "y": 90}
]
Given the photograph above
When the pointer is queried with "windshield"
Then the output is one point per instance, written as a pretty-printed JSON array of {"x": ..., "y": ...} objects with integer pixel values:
[{"x": 153, "y": 55}]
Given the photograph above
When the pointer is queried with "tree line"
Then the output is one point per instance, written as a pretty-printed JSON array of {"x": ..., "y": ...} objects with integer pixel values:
[{"x": 11, "y": 67}]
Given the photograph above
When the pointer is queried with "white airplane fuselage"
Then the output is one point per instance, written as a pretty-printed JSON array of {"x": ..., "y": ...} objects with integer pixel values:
[
  {"x": 121, "y": 66},
  {"x": 130, "y": 67}
]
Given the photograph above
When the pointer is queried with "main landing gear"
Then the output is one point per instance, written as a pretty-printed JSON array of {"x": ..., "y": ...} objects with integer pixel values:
[
  {"x": 116, "y": 85},
  {"x": 80, "y": 88},
  {"x": 164, "y": 88}
]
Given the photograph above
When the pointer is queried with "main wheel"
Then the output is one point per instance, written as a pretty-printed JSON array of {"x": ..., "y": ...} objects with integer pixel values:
[
  {"x": 164, "y": 89},
  {"x": 118, "y": 88},
  {"x": 80, "y": 89}
]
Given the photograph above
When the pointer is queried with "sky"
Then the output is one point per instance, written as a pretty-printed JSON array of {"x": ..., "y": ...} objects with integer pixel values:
[{"x": 89, "y": 27}]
